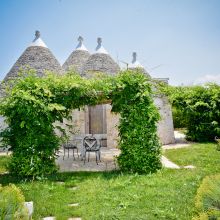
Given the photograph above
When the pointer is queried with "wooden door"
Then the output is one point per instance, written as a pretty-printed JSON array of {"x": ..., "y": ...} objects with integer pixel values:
[{"x": 97, "y": 119}]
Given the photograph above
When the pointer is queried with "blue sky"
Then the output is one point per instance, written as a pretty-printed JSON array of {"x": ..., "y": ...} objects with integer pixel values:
[{"x": 181, "y": 36}]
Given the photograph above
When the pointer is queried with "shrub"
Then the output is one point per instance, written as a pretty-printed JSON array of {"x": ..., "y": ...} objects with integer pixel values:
[
  {"x": 207, "y": 201},
  {"x": 202, "y": 216},
  {"x": 139, "y": 143},
  {"x": 179, "y": 120},
  {"x": 200, "y": 106},
  {"x": 12, "y": 204},
  {"x": 31, "y": 108}
]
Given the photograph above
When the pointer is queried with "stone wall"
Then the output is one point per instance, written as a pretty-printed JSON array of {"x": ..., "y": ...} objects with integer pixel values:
[
  {"x": 165, "y": 125},
  {"x": 77, "y": 124},
  {"x": 81, "y": 124},
  {"x": 80, "y": 120},
  {"x": 112, "y": 130}
]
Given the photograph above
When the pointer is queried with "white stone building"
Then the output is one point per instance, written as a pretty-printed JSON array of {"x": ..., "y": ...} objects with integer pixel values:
[{"x": 97, "y": 120}]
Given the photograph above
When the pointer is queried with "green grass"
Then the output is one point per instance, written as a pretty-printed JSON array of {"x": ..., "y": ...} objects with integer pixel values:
[
  {"x": 204, "y": 156},
  {"x": 167, "y": 194}
]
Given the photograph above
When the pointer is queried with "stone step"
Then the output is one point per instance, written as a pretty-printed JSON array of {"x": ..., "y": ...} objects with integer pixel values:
[
  {"x": 77, "y": 218},
  {"x": 73, "y": 205},
  {"x": 73, "y": 188},
  {"x": 49, "y": 218}
]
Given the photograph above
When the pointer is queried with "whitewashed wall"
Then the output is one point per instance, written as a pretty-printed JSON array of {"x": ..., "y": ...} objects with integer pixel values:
[{"x": 165, "y": 125}]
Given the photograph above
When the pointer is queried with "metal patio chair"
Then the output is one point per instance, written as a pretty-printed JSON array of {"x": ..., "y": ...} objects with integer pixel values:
[
  {"x": 70, "y": 146},
  {"x": 91, "y": 145}
]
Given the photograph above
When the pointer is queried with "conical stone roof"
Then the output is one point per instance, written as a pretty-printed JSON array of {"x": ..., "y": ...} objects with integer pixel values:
[
  {"x": 100, "y": 61},
  {"x": 135, "y": 65},
  {"x": 77, "y": 58},
  {"x": 37, "y": 56}
]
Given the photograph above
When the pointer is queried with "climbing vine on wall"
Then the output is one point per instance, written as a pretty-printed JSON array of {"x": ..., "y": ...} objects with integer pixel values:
[
  {"x": 139, "y": 144},
  {"x": 33, "y": 105}
]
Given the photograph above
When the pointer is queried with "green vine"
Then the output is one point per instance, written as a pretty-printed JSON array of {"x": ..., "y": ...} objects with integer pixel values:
[
  {"x": 33, "y": 105},
  {"x": 139, "y": 144}
]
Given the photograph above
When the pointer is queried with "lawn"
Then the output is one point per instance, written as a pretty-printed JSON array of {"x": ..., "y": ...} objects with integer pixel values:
[{"x": 167, "y": 194}]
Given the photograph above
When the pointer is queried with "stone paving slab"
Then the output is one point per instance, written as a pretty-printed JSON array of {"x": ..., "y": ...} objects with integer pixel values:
[
  {"x": 75, "y": 218},
  {"x": 107, "y": 161},
  {"x": 176, "y": 146},
  {"x": 60, "y": 182},
  {"x": 73, "y": 188},
  {"x": 73, "y": 205},
  {"x": 49, "y": 218},
  {"x": 189, "y": 167},
  {"x": 107, "y": 164},
  {"x": 4, "y": 153},
  {"x": 168, "y": 164}
]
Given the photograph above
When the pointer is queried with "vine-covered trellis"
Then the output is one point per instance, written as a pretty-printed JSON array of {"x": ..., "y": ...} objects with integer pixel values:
[{"x": 33, "y": 105}]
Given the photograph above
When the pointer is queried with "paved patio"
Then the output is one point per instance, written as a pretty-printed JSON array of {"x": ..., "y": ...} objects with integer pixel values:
[
  {"x": 108, "y": 158},
  {"x": 71, "y": 164}
]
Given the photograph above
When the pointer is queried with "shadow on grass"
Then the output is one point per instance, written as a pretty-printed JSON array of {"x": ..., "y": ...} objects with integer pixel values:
[{"x": 72, "y": 177}]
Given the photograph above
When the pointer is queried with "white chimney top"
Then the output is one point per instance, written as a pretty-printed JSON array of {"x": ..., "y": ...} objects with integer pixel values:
[
  {"x": 100, "y": 48},
  {"x": 135, "y": 63},
  {"x": 80, "y": 45},
  {"x": 37, "y": 41}
]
